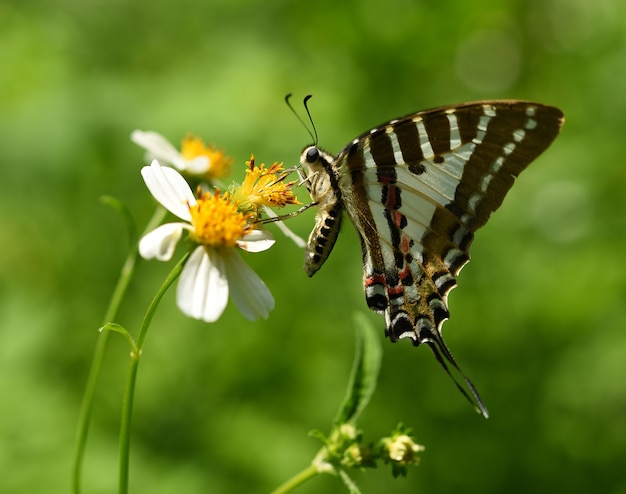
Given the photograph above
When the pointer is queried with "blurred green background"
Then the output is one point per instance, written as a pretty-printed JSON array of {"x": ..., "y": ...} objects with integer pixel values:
[{"x": 538, "y": 321}]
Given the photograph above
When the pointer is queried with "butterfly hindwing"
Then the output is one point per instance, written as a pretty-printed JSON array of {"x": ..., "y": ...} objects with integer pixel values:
[{"x": 416, "y": 190}]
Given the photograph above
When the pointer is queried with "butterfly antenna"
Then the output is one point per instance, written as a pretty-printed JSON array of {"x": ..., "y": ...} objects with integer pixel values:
[
  {"x": 300, "y": 119},
  {"x": 308, "y": 112}
]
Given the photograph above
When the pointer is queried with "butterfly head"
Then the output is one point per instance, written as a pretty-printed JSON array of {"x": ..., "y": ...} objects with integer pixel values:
[{"x": 317, "y": 172}]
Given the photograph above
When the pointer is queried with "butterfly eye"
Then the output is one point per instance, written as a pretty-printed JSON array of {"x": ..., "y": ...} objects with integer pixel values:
[{"x": 312, "y": 154}]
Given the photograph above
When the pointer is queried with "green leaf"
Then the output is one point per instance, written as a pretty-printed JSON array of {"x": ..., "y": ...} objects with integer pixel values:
[
  {"x": 364, "y": 376},
  {"x": 117, "y": 328}
]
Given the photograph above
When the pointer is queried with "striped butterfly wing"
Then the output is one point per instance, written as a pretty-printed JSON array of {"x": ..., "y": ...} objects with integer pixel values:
[{"x": 416, "y": 190}]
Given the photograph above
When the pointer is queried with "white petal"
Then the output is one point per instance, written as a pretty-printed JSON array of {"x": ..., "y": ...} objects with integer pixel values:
[
  {"x": 196, "y": 166},
  {"x": 161, "y": 242},
  {"x": 157, "y": 146},
  {"x": 203, "y": 287},
  {"x": 256, "y": 241},
  {"x": 169, "y": 188},
  {"x": 249, "y": 293}
]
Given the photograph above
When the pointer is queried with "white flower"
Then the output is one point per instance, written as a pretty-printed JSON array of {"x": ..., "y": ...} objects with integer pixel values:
[
  {"x": 194, "y": 158},
  {"x": 402, "y": 449},
  {"x": 214, "y": 269}
]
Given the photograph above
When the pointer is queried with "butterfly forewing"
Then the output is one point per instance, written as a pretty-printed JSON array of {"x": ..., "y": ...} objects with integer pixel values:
[{"x": 417, "y": 189}]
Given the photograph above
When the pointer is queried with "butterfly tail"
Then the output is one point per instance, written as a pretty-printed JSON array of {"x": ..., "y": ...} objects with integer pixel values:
[{"x": 443, "y": 354}]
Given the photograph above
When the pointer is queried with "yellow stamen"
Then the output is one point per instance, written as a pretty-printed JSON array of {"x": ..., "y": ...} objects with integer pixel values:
[
  {"x": 219, "y": 163},
  {"x": 264, "y": 187},
  {"x": 217, "y": 222}
]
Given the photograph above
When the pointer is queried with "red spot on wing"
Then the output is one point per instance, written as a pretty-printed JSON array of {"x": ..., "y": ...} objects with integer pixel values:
[
  {"x": 375, "y": 279},
  {"x": 395, "y": 290},
  {"x": 397, "y": 218},
  {"x": 405, "y": 244},
  {"x": 392, "y": 197},
  {"x": 405, "y": 273}
]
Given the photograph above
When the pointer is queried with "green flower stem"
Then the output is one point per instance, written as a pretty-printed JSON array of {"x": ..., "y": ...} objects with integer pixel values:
[
  {"x": 129, "y": 395},
  {"x": 126, "y": 275},
  {"x": 298, "y": 479}
]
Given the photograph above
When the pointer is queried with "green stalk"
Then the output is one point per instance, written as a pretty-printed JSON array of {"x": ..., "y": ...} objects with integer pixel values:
[
  {"x": 129, "y": 395},
  {"x": 126, "y": 275},
  {"x": 298, "y": 479}
]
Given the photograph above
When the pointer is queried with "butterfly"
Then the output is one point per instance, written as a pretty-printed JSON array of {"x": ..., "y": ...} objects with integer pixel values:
[{"x": 416, "y": 189}]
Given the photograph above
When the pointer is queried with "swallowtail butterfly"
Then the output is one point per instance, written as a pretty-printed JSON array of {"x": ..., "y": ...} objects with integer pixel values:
[{"x": 416, "y": 189}]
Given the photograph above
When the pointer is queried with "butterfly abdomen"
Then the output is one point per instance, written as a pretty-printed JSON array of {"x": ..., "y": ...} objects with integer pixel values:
[
  {"x": 322, "y": 238},
  {"x": 321, "y": 182}
]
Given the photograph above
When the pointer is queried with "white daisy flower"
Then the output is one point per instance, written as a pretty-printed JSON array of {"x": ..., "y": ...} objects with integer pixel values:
[
  {"x": 194, "y": 158},
  {"x": 215, "y": 269}
]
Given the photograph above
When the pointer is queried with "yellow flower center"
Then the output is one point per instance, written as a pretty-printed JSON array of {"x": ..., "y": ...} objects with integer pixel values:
[
  {"x": 219, "y": 164},
  {"x": 217, "y": 222},
  {"x": 264, "y": 187}
]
